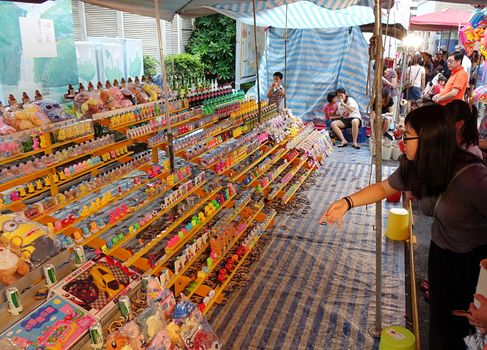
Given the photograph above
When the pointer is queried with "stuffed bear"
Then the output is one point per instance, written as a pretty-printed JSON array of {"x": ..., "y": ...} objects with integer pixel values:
[{"x": 11, "y": 264}]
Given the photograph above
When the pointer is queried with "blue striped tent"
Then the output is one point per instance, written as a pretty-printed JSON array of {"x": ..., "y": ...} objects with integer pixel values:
[
  {"x": 325, "y": 50},
  {"x": 318, "y": 61}
]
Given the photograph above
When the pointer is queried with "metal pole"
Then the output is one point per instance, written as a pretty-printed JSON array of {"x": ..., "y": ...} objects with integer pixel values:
[
  {"x": 257, "y": 61},
  {"x": 448, "y": 45},
  {"x": 166, "y": 89},
  {"x": 378, "y": 166},
  {"x": 285, "y": 62},
  {"x": 414, "y": 298}
]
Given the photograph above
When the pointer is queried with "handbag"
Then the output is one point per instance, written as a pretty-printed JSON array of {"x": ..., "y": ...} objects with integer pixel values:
[{"x": 409, "y": 82}]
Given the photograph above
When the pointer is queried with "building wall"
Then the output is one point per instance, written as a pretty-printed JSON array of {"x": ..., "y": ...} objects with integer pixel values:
[{"x": 94, "y": 21}]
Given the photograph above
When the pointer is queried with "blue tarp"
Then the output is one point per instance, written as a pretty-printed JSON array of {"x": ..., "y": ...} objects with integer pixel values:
[{"x": 318, "y": 61}]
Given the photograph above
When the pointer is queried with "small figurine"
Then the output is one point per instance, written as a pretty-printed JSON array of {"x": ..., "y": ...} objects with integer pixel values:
[
  {"x": 61, "y": 176},
  {"x": 99, "y": 86},
  {"x": 115, "y": 82},
  {"x": 38, "y": 184},
  {"x": 81, "y": 88},
  {"x": 107, "y": 84},
  {"x": 100, "y": 223},
  {"x": 90, "y": 87},
  {"x": 123, "y": 82},
  {"x": 55, "y": 178},
  {"x": 47, "y": 181},
  {"x": 22, "y": 192},
  {"x": 12, "y": 101},
  {"x": 30, "y": 187},
  {"x": 94, "y": 227},
  {"x": 58, "y": 226},
  {"x": 85, "y": 212},
  {"x": 38, "y": 96},
  {"x": 25, "y": 98},
  {"x": 77, "y": 236}
]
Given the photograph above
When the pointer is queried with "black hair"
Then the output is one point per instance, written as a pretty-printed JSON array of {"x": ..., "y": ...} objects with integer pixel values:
[
  {"x": 429, "y": 173},
  {"x": 342, "y": 91},
  {"x": 457, "y": 55},
  {"x": 442, "y": 78},
  {"x": 331, "y": 96},
  {"x": 460, "y": 110},
  {"x": 386, "y": 97},
  {"x": 278, "y": 74}
]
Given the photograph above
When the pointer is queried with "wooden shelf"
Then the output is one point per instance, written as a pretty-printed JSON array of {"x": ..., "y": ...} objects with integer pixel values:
[
  {"x": 200, "y": 281},
  {"x": 114, "y": 200},
  {"x": 268, "y": 166},
  {"x": 299, "y": 185},
  {"x": 8, "y": 160},
  {"x": 145, "y": 203},
  {"x": 189, "y": 235},
  {"x": 276, "y": 175},
  {"x": 130, "y": 261},
  {"x": 292, "y": 172},
  {"x": 155, "y": 218}
]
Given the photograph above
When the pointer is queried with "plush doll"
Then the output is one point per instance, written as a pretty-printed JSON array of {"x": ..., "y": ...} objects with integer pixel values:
[
  {"x": 140, "y": 95},
  {"x": 28, "y": 118},
  {"x": 128, "y": 95},
  {"x": 117, "y": 341},
  {"x": 6, "y": 129},
  {"x": 151, "y": 92},
  {"x": 33, "y": 240},
  {"x": 108, "y": 100},
  {"x": 11, "y": 264},
  {"x": 119, "y": 96},
  {"x": 88, "y": 103},
  {"x": 53, "y": 110}
]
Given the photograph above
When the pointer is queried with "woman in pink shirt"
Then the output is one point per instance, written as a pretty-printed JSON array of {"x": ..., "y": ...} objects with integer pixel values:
[{"x": 330, "y": 109}]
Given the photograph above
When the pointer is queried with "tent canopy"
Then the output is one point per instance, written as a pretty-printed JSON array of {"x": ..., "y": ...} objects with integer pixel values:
[
  {"x": 198, "y": 8},
  {"x": 446, "y": 19}
]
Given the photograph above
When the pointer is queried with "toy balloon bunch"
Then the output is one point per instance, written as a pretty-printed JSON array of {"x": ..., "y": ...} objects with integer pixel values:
[{"x": 475, "y": 31}]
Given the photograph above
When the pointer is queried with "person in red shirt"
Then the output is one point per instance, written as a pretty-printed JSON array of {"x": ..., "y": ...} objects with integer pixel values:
[{"x": 457, "y": 83}]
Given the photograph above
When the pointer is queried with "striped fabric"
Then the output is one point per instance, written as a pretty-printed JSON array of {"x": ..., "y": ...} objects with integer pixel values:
[
  {"x": 301, "y": 15},
  {"x": 245, "y": 7},
  {"x": 318, "y": 61},
  {"x": 314, "y": 287}
]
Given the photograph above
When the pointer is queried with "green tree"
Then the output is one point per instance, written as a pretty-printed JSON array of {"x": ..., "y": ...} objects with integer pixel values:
[
  {"x": 150, "y": 66},
  {"x": 214, "y": 41},
  {"x": 184, "y": 67}
]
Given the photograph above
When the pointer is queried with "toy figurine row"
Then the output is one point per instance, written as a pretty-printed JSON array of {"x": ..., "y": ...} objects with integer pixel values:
[
  {"x": 198, "y": 219},
  {"x": 145, "y": 129},
  {"x": 286, "y": 178},
  {"x": 168, "y": 202},
  {"x": 300, "y": 176},
  {"x": 270, "y": 176},
  {"x": 263, "y": 166},
  {"x": 137, "y": 114},
  {"x": 76, "y": 192},
  {"x": 317, "y": 145}
]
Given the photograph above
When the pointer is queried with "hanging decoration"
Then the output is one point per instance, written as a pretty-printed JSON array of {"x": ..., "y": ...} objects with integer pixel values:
[{"x": 475, "y": 32}]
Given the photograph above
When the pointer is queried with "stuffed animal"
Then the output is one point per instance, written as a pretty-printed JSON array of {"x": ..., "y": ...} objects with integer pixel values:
[
  {"x": 53, "y": 110},
  {"x": 119, "y": 96},
  {"x": 28, "y": 118},
  {"x": 108, "y": 100},
  {"x": 117, "y": 341},
  {"x": 126, "y": 338},
  {"x": 88, "y": 103},
  {"x": 32, "y": 239},
  {"x": 11, "y": 264},
  {"x": 140, "y": 95}
]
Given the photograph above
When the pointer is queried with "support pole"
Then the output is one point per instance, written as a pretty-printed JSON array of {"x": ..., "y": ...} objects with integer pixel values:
[
  {"x": 285, "y": 62},
  {"x": 379, "y": 63},
  {"x": 257, "y": 61},
  {"x": 166, "y": 89},
  {"x": 448, "y": 45}
]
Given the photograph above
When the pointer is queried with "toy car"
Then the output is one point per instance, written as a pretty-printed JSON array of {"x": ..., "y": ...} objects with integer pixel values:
[{"x": 105, "y": 281}]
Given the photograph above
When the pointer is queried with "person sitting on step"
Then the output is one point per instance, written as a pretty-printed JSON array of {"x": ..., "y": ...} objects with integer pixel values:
[{"x": 349, "y": 113}]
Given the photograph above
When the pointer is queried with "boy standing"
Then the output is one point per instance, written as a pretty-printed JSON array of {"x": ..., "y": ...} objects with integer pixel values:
[{"x": 276, "y": 92}]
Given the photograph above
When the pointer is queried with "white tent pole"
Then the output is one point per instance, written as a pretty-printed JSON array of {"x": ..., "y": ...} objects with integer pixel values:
[
  {"x": 256, "y": 60},
  {"x": 165, "y": 88},
  {"x": 285, "y": 62},
  {"x": 378, "y": 165}
]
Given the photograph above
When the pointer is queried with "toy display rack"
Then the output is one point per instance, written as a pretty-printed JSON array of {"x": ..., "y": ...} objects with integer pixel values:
[{"x": 244, "y": 214}]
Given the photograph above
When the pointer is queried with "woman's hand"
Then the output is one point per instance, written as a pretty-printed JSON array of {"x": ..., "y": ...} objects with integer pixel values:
[
  {"x": 335, "y": 213},
  {"x": 478, "y": 317}
]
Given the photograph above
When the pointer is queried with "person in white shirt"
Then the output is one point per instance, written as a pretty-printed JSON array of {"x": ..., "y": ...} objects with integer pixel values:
[
  {"x": 349, "y": 111},
  {"x": 466, "y": 63}
]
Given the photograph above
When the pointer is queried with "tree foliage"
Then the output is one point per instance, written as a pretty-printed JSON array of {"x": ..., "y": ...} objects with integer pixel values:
[
  {"x": 214, "y": 41},
  {"x": 184, "y": 67},
  {"x": 150, "y": 66}
]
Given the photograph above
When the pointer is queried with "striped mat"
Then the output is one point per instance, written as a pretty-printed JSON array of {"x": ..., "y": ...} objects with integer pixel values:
[{"x": 314, "y": 286}]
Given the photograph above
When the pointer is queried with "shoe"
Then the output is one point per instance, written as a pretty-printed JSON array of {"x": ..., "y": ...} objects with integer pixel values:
[
  {"x": 343, "y": 145},
  {"x": 356, "y": 146},
  {"x": 389, "y": 135}
]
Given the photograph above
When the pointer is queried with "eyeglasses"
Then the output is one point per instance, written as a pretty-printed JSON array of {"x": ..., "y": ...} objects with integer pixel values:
[
  {"x": 406, "y": 139},
  {"x": 450, "y": 61}
]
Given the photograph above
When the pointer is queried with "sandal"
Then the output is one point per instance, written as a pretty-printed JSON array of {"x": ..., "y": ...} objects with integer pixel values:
[
  {"x": 355, "y": 146},
  {"x": 343, "y": 145}
]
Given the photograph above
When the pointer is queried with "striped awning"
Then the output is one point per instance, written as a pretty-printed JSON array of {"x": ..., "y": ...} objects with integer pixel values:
[{"x": 302, "y": 14}]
